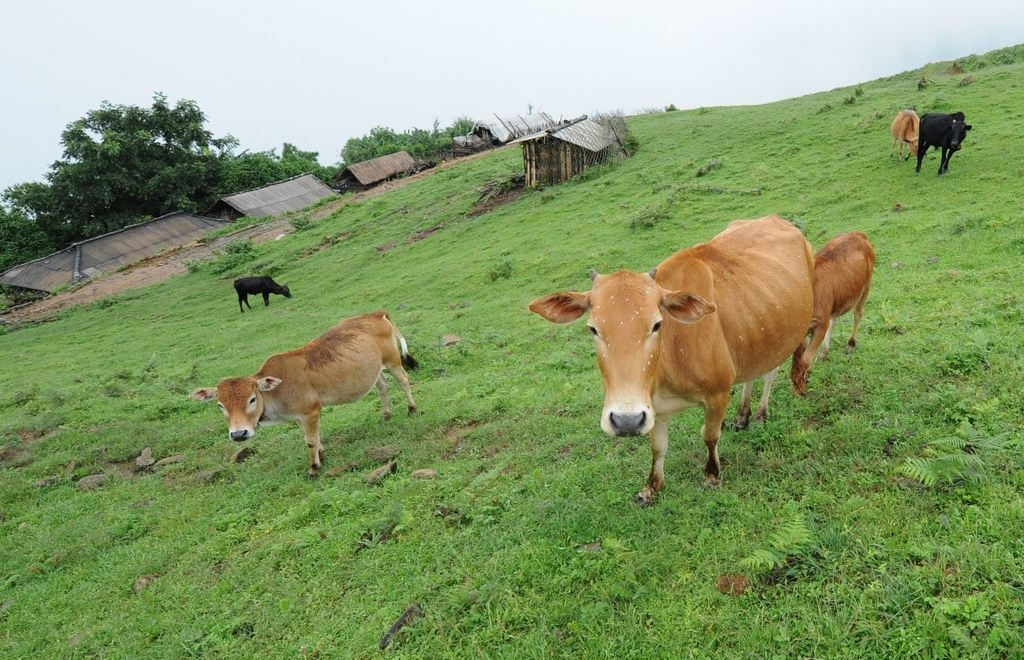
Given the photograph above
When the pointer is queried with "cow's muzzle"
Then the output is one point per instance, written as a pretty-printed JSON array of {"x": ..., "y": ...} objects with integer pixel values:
[
  {"x": 238, "y": 436},
  {"x": 628, "y": 424}
]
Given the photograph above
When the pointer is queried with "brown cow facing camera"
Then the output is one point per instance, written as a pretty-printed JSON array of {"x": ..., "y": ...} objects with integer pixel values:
[
  {"x": 842, "y": 280},
  {"x": 337, "y": 367},
  {"x": 719, "y": 313}
]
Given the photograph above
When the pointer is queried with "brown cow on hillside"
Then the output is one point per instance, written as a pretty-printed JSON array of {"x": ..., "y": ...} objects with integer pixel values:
[
  {"x": 339, "y": 366},
  {"x": 906, "y": 127},
  {"x": 723, "y": 312},
  {"x": 842, "y": 280}
]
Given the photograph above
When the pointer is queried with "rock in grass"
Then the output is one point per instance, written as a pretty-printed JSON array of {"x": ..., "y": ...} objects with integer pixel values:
[
  {"x": 450, "y": 340},
  {"x": 424, "y": 473},
  {"x": 49, "y": 481},
  {"x": 142, "y": 583},
  {"x": 381, "y": 454},
  {"x": 380, "y": 473},
  {"x": 145, "y": 459},
  {"x": 170, "y": 460},
  {"x": 242, "y": 454},
  {"x": 92, "y": 482},
  {"x": 411, "y": 613}
]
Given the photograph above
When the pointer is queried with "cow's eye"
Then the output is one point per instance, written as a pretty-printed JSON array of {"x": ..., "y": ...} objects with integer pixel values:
[
  {"x": 252, "y": 400},
  {"x": 657, "y": 326}
]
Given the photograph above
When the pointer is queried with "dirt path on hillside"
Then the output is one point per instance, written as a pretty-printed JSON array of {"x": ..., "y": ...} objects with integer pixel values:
[{"x": 175, "y": 262}]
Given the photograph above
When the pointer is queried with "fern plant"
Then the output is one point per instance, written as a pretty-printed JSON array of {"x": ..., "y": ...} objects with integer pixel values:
[
  {"x": 956, "y": 459},
  {"x": 791, "y": 539}
]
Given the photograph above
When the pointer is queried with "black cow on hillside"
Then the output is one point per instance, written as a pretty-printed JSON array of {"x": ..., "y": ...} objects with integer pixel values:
[
  {"x": 265, "y": 285},
  {"x": 945, "y": 131}
]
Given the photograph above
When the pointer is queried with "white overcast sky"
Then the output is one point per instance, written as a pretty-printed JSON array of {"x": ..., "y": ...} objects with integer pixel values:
[{"x": 318, "y": 73}]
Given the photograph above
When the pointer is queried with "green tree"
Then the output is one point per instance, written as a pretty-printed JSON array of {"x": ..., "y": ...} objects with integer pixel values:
[
  {"x": 252, "y": 170},
  {"x": 420, "y": 143},
  {"x": 122, "y": 163},
  {"x": 21, "y": 239}
]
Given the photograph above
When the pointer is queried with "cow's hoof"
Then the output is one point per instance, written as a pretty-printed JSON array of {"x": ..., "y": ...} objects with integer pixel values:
[
  {"x": 312, "y": 475},
  {"x": 741, "y": 424},
  {"x": 412, "y": 410},
  {"x": 761, "y": 416},
  {"x": 711, "y": 482},
  {"x": 386, "y": 416},
  {"x": 644, "y": 498}
]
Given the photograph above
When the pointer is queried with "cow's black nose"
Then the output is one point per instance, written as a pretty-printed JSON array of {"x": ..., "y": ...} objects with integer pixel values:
[
  {"x": 627, "y": 424},
  {"x": 239, "y": 435}
]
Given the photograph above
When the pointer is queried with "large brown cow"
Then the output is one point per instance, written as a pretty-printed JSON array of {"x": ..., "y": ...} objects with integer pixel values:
[
  {"x": 339, "y": 366},
  {"x": 723, "y": 312},
  {"x": 906, "y": 126},
  {"x": 842, "y": 280}
]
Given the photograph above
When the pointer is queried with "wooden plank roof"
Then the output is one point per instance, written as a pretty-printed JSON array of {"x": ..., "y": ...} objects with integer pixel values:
[
  {"x": 377, "y": 169},
  {"x": 291, "y": 194}
]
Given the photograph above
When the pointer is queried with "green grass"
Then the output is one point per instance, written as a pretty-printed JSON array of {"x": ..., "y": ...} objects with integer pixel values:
[{"x": 253, "y": 559}]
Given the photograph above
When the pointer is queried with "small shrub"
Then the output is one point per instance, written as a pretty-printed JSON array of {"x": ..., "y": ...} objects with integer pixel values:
[
  {"x": 501, "y": 271},
  {"x": 825, "y": 108},
  {"x": 301, "y": 223},
  {"x": 966, "y": 81},
  {"x": 791, "y": 539},
  {"x": 235, "y": 255},
  {"x": 703, "y": 111},
  {"x": 709, "y": 167},
  {"x": 849, "y": 100},
  {"x": 859, "y": 91},
  {"x": 671, "y": 107},
  {"x": 956, "y": 459}
]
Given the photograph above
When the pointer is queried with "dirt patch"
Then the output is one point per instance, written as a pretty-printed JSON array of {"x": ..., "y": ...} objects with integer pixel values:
[
  {"x": 454, "y": 436},
  {"x": 32, "y": 436},
  {"x": 13, "y": 457},
  {"x": 420, "y": 235},
  {"x": 386, "y": 247},
  {"x": 488, "y": 204}
]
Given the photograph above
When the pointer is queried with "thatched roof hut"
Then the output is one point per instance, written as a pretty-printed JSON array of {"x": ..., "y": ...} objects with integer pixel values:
[
  {"x": 369, "y": 173},
  {"x": 109, "y": 252},
  {"x": 276, "y": 198},
  {"x": 560, "y": 153}
]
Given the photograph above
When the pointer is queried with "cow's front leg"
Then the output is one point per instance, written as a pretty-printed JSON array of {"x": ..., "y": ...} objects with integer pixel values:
[
  {"x": 942, "y": 160},
  {"x": 714, "y": 413},
  {"x": 311, "y": 429},
  {"x": 659, "y": 446},
  {"x": 266, "y": 299}
]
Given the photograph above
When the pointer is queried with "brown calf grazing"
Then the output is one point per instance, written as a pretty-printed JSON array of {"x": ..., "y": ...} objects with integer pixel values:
[
  {"x": 339, "y": 366},
  {"x": 905, "y": 128},
  {"x": 842, "y": 280},
  {"x": 727, "y": 311}
]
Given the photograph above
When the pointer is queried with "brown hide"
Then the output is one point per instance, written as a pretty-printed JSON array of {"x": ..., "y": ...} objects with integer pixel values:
[
  {"x": 905, "y": 131},
  {"x": 722, "y": 312},
  {"x": 337, "y": 367},
  {"x": 842, "y": 281}
]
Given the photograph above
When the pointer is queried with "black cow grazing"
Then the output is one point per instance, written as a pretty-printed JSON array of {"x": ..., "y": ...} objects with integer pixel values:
[
  {"x": 945, "y": 131},
  {"x": 265, "y": 285}
]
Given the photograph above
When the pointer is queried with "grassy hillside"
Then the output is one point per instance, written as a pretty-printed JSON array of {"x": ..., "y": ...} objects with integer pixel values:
[{"x": 528, "y": 543}]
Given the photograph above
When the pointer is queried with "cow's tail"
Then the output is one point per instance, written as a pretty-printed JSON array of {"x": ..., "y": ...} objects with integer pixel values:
[{"x": 408, "y": 361}]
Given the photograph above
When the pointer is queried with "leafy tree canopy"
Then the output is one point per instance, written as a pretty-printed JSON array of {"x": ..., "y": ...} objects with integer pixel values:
[
  {"x": 21, "y": 239},
  {"x": 122, "y": 163},
  {"x": 252, "y": 170},
  {"x": 420, "y": 143}
]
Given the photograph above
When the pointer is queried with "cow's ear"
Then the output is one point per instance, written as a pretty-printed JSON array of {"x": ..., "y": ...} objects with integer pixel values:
[
  {"x": 967, "y": 127},
  {"x": 267, "y": 383},
  {"x": 561, "y": 307},
  {"x": 686, "y": 307},
  {"x": 204, "y": 394}
]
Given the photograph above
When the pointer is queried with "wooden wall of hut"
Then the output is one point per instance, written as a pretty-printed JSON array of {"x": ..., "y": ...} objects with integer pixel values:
[{"x": 548, "y": 161}]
